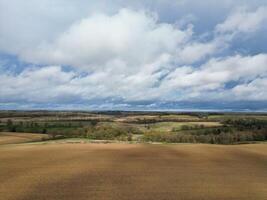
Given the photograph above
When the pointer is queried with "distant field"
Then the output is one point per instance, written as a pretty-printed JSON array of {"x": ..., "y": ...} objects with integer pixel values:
[
  {"x": 138, "y": 172},
  {"x": 237, "y": 116},
  {"x": 168, "y": 126},
  {"x": 158, "y": 117},
  {"x": 15, "y": 138}
]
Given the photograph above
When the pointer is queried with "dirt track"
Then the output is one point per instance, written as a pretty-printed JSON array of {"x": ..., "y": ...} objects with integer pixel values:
[{"x": 122, "y": 172}]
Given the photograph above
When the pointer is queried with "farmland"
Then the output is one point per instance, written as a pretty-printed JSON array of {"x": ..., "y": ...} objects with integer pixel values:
[
  {"x": 16, "y": 138},
  {"x": 54, "y": 155},
  {"x": 133, "y": 171},
  {"x": 214, "y": 128}
]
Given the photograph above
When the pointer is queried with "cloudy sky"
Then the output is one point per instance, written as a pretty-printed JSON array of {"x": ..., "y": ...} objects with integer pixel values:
[{"x": 133, "y": 55}]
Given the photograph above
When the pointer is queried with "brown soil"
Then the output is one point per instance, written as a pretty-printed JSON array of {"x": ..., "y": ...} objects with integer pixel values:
[
  {"x": 15, "y": 138},
  {"x": 138, "y": 172}
]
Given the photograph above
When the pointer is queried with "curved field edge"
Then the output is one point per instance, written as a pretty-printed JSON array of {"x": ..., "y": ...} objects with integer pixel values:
[{"x": 18, "y": 138}]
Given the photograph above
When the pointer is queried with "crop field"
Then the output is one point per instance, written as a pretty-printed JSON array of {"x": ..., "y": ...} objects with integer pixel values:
[
  {"x": 133, "y": 171},
  {"x": 15, "y": 138}
]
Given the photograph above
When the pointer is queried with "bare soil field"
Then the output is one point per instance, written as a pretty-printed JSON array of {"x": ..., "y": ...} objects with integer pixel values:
[
  {"x": 15, "y": 138},
  {"x": 133, "y": 171}
]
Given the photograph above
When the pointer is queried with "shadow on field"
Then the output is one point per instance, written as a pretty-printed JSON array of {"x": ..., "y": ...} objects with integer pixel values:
[
  {"x": 120, "y": 171},
  {"x": 114, "y": 171}
]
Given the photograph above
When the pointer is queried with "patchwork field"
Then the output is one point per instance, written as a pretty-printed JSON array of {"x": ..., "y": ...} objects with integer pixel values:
[
  {"x": 138, "y": 126},
  {"x": 133, "y": 171}
]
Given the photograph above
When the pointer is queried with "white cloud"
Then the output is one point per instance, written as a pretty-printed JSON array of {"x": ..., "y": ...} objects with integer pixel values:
[
  {"x": 130, "y": 55},
  {"x": 128, "y": 39},
  {"x": 35, "y": 84},
  {"x": 243, "y": 21},
  {"x": 53, "y": 84},
  {"x": 214, "y": 75},
  {"x": 240, "y": 21},
  {"x": 254, "y": 90},
  {"x": 197, "y": 51}
]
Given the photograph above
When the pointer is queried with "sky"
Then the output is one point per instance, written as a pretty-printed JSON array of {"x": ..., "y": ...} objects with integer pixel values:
[{"x": 133, "y": 55}]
